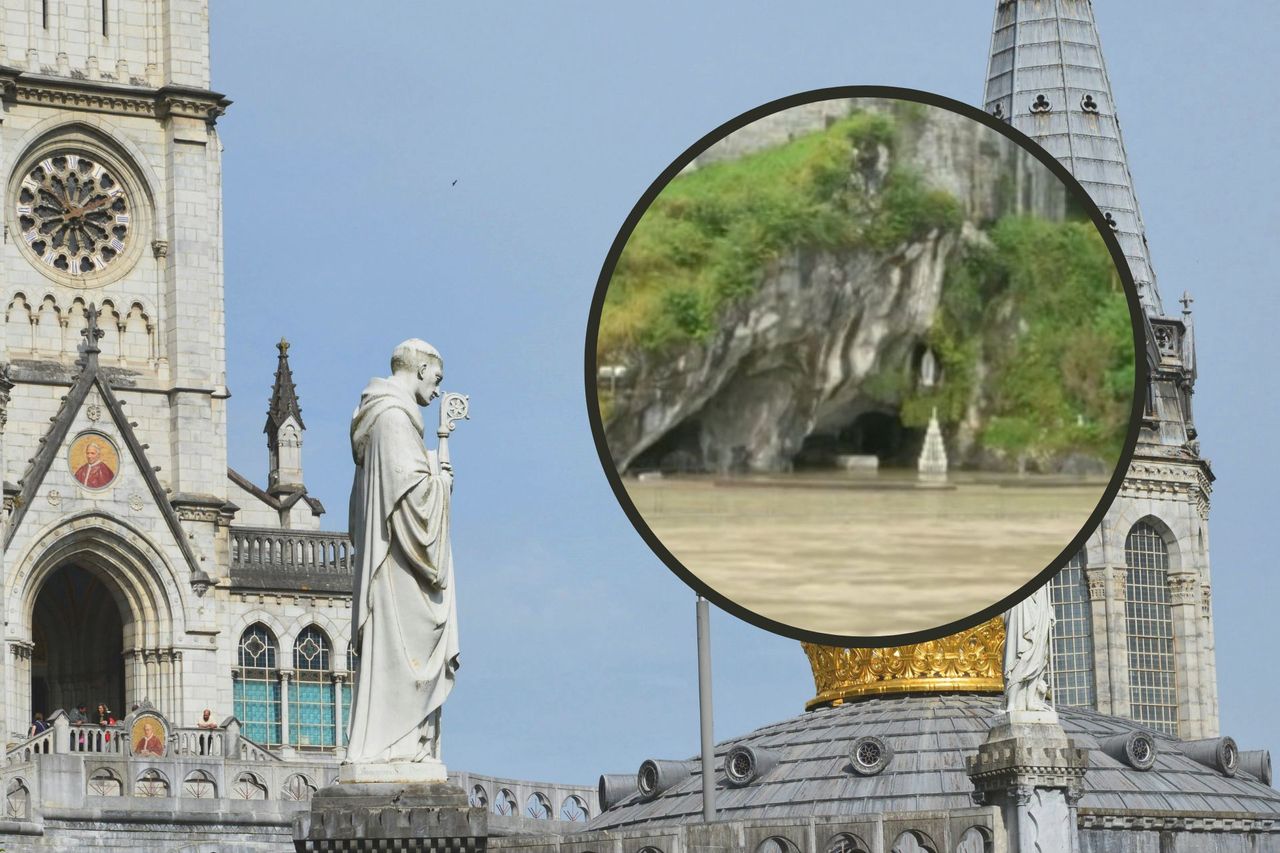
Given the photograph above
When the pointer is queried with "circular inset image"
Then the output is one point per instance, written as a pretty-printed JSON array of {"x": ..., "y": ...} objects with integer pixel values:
[
  {"x": 863, "y": 365},
  {"x": 149, "y": 736},
  {"x": 93, "y": 460}
]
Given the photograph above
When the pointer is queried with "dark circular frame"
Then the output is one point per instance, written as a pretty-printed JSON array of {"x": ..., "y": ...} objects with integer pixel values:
[{"x": 1086, "y": 203}]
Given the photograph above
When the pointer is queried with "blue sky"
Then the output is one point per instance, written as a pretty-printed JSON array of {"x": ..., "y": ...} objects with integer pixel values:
[{"x": 346, "y": 232}]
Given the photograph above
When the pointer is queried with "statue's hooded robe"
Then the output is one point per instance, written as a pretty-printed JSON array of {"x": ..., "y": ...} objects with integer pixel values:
[{"x": 404, "y": 617}]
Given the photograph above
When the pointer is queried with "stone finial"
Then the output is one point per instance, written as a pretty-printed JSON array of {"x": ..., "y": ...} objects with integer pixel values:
[
  {"x": 1186, "y": 301},
  {"x": 284, "y": 428},
  {"x": 91, "y": 333}
]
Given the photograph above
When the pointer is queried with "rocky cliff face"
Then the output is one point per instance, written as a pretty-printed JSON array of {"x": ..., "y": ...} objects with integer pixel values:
[{"x": 798, "y": 364}]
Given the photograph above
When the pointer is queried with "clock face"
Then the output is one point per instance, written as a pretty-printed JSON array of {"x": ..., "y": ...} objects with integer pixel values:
[{"x": 73, "y": 214}]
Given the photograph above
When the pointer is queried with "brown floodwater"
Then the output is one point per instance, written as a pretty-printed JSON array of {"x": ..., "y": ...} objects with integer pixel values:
[{"x": 865, "y": 554}]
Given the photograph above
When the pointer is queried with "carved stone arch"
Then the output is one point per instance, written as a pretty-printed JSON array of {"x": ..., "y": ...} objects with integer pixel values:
[
  {"x": 505, "y": 803},
  {"x": 574, "y": 809},
  {"x": 538, "y": 806},
  {"x": 48, "y": 324},
  {"x": 914, "y": 841},
  {"x": 111, "y": 324},
  {"x": 76, "y": 317},
  {"x": 1172, "y": 542},
  {"x": 777, "y": 844},
  {"x": 976, "y": 839},
  {"x": 199, "y": 785},
  {"x": 136, "y": 332},
  {"x": 19, "y": 321},
  {"x": 96, "y": 130},
  {"x": 478, "y": 796},
  {"x": 124, "y": 553},
  {"x": 18, "y": 298},
  {"x": 99, "y": 140},
  {"x": 846, "y": 842},
  {"x": 298, "y": 788},
  {"x": 17, "y": 799},
  {"x": 151, "y": 783},
  {"x": 104, "y": 782},
  {"x": 248, "y": 786},
  {"x": 268, "y": 619},
  {"x": 332, "y": 631}
]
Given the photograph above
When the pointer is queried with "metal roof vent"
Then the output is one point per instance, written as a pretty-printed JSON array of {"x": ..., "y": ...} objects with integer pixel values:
[
  {"x": 1257, "y": 763},
  {"x": 1137, "y": 749},
  {"x": 1041, "y": 104},
  {"x": 870, "y": 756},
  {"x": 745, "y": 764},
  {"x": 655, "y": 776},
  {"x": 614, "y": 788},
  {"x": 1220, "y": 753}
]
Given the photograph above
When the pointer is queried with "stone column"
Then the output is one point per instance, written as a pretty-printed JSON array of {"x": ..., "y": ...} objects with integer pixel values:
[
  {"x": 1096, "y": 580},
  {"x": 1118, "y": 643},
  {"x": 152, "y": 684},
  {"x": 1032, "y": 770},
  {"x": 285, "y": 676},
  {"x": 165, "y": 700},
  {"x": 1184, "y": 597},
  {"x": 178, "y": 714},
  {"x": 339, "y": 740}
]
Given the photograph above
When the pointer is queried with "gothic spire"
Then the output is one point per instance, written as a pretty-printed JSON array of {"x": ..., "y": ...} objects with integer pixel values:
[
  {"x": 284, "y": 396},
  {"x": 1048, "y": 79}
]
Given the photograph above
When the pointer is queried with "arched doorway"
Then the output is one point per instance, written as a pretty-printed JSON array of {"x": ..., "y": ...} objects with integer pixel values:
[
  {"x": 96, "y": 592},
  {"x": 78, "y": 629}
]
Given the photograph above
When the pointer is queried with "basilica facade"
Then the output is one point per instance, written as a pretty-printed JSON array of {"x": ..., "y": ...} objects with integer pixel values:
[{"x": 136, "y": 564}]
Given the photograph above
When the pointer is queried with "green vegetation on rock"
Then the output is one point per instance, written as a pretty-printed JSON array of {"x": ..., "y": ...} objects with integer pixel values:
[
  {"x": 1041, "y": 312},
  {"x": 709, "y": 235}
]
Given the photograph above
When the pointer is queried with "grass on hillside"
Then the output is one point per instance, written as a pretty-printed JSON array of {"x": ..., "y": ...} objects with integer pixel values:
[{"x": 710, "y": 233}]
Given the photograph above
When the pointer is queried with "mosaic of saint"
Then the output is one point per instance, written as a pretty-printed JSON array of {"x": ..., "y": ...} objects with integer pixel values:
[
  {"x": 94, "y": 460},
  {"x": 149, "y": 736}
]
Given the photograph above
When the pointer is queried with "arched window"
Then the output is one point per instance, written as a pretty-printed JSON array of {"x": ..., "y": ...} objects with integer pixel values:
[
  {"x": 311, "y": 709},
  {"x": 257, "y": 686},
  {"x": 1148, "y": 618},
  {"x": 1072, "y": 649}
]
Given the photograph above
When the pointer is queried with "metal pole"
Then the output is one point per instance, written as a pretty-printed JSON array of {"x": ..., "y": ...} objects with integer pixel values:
[{"x": 704, "y": 712}]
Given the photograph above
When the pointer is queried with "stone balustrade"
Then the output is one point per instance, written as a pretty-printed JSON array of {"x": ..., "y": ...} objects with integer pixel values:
[{"x": 266, "y": 558}]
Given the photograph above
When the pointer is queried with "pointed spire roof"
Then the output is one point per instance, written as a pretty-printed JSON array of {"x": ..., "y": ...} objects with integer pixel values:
[
  {"x": 1048, "y": 79},
  {"x": 284, "y": 396}
]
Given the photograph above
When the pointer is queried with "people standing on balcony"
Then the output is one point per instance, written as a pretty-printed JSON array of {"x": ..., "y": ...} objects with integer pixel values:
[
  {"x": 80, "y": 717},
  {"x": 38, "y": 725},
  {"x": 206, "y": 720}
]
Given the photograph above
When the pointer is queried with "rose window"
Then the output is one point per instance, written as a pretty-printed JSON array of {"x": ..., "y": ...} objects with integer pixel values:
[{"x": 74, "y": 214}]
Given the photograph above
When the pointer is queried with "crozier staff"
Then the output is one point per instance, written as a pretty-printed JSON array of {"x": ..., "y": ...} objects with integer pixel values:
[{"x": 404, "y": 615}]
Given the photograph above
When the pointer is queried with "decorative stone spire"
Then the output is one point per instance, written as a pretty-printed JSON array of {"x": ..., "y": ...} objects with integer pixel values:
[
  {"x": 1048, "y": 79},
  {"x": 284, "y": 428}
]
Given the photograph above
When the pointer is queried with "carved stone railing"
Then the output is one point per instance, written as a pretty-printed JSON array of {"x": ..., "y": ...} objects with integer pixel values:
[
  {"x": 250, "y": 751},
  {"x": 264, "y": 558},
  {"x": 206, "y": 742},
  {"x": 41, "y": 744},
  {"x": 91, "y": 738}
]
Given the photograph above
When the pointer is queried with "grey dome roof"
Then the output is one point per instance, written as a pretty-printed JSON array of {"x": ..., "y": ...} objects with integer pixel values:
[{"x": 930, "y": 737}]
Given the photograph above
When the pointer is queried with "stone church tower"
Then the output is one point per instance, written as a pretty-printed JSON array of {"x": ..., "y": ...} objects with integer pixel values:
[
  {"x": 137, "y": 566},
  {"x": 1134, "y": 635}
]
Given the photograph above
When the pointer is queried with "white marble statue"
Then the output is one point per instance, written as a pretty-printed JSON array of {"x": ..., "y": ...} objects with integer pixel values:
[
  {"x": 404, "y": 616},
  {"x": 1026, "y": 654}
]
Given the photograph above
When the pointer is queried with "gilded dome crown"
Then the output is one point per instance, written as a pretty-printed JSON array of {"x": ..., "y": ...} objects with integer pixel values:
[{"x": 968, "y": 662}]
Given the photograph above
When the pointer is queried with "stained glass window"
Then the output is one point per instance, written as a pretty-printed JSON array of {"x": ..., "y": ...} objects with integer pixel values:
[
  {"x": 311, "y": 710},
  {"x": 257, "y": 686},
  {"x": 1153, "y": 688},
  {"x": 1072, "y": 648}
]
